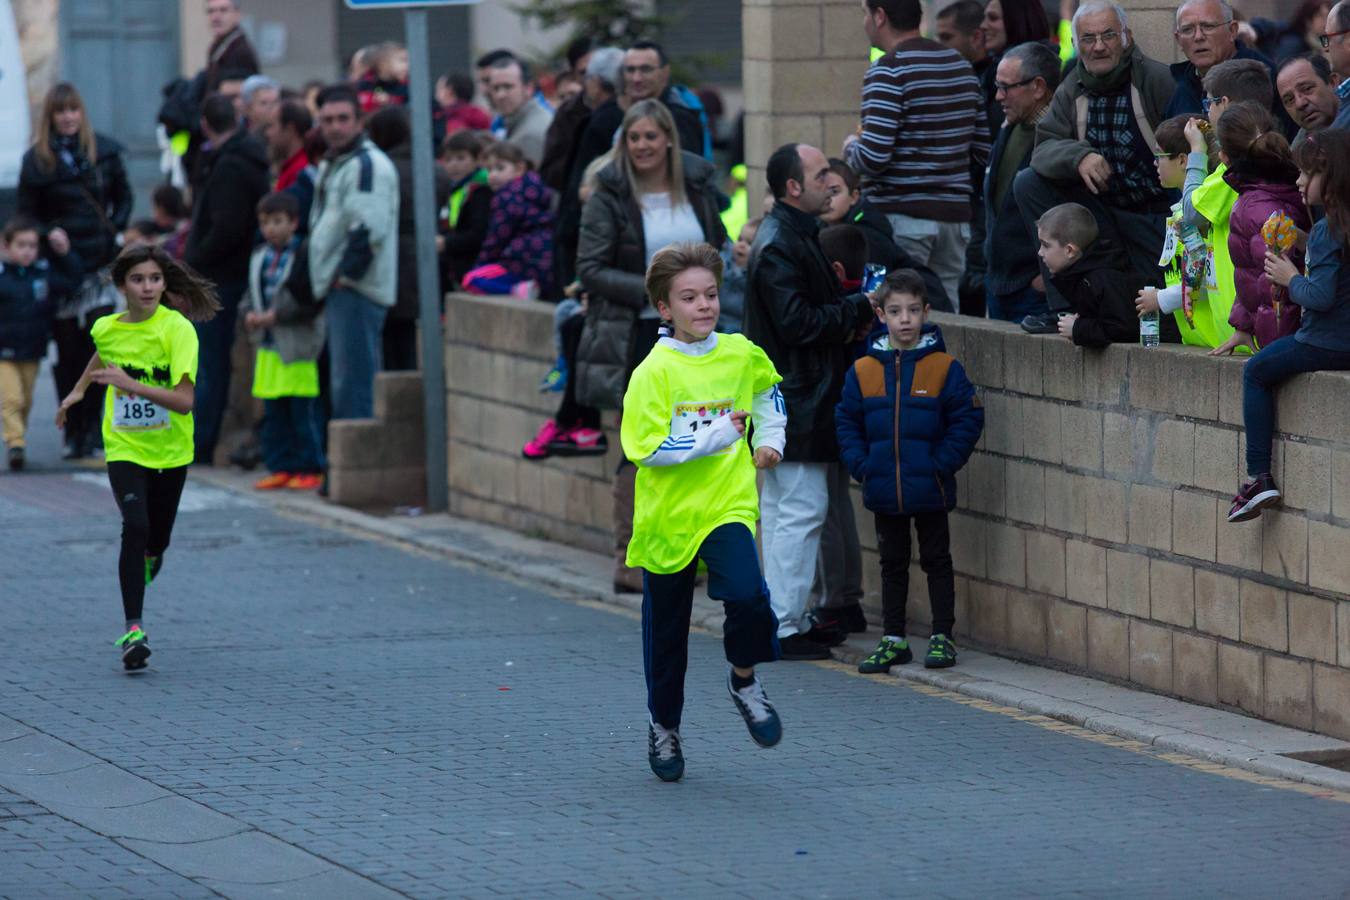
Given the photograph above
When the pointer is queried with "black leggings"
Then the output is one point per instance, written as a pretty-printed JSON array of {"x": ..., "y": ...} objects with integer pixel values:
[{"x": 148, "y": 499}]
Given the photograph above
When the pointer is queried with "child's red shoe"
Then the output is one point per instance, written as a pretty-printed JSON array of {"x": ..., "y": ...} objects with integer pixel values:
[{"x": 304, "y": 482}]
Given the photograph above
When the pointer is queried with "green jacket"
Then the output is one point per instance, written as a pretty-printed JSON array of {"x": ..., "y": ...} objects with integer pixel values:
[{"x": 1060, "y": 145}]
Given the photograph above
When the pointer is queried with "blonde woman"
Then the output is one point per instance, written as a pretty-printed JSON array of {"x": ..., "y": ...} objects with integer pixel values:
[{"x": 74, "y": 180}]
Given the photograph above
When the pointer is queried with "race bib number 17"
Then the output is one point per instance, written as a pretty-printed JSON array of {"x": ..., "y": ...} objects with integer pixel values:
[
  {"x": 131, "y": 413},
  {"x": 691, "y": 418}
]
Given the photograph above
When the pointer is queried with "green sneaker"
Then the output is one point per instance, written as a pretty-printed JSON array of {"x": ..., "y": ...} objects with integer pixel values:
[
  {"x": 152, "y": 567},
  {"x": 887, "y": 654},
  {"x": 941, "y": 653}
]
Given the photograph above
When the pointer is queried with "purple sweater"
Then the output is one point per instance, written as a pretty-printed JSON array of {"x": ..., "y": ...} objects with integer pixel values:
[
  {"x": 520, "y": 231},
  {"x": 1261, "y": 194}
]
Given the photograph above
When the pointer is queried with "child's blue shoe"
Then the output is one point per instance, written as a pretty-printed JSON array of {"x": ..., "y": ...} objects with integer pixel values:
[{"x": 556, "y": 379}]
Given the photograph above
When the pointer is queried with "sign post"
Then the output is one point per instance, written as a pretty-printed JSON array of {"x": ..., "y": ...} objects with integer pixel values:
[{"x": 424, "y": 225}]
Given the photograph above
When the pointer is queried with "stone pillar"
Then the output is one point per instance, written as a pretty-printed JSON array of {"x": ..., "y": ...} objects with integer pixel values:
[{"x": 804, "y": 62}]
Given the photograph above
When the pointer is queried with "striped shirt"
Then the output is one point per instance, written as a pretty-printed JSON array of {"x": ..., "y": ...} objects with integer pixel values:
[{"x": 923, "y": 128}]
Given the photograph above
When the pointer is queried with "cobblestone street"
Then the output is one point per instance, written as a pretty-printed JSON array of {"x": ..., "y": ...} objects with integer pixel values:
[{"x": 330, "y": 715}]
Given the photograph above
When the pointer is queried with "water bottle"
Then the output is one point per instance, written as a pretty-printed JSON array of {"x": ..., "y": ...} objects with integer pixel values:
[
  {"x": 873, "y": 275},
  {"x": 1150, "y": 329}
]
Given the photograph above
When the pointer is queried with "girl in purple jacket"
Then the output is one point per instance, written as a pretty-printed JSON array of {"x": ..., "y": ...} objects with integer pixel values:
[
  {"x": 1261, "y": 169},
  {"x": 517, "y": 254}
]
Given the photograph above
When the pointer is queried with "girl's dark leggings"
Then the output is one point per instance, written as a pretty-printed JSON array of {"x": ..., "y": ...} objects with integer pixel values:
[
  {"x": 148, "y": 499},
  {"x": 1277, "y": 362}
]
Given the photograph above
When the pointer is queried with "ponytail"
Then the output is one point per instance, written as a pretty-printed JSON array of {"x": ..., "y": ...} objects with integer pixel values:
[
  {"x": 1248, "y": 134},
  {"x": 184, "y": 290}
]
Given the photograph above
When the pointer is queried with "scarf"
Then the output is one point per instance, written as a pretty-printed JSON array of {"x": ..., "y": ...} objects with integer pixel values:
[{"x": 1112, "y": 80}]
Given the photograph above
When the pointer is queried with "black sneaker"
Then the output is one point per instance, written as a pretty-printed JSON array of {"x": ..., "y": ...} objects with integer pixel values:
[
  {"x": 1041, "y": 323},
  {"x": 824, "y": 632},
  {"x": 135, "y": 649},
  {"x": 941, "y": 653},
  {"x": 1253, "y": 497},
  {"x": 799, "y": 646},
  {"x": 851, "y": 618},
  {"x": 663, "y": 752},
  {"x": 759, "y": 715},
  {"x": 15, "y": 458},
  {"x": 888, "y": 653}
]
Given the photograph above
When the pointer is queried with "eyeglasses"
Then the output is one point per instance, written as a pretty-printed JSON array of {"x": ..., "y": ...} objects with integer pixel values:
[
  {"x": 1325, "y": 39},
  {"x": 1000, "y": 87},
  {"x": 1106, "y": 37},
  {"x": 1205, "y": 28},
  {"x": 1207, "y": 102},
  {"x": 1167, "y": 155}
]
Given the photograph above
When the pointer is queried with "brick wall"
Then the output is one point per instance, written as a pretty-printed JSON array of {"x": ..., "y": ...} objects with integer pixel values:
[
  {"x": 1091, "y": 532},
  {"x": 497, "y": 349}
]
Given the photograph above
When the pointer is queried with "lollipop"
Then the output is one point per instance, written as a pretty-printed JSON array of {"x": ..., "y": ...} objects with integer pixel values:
[{"x": 1279, "y": 233}]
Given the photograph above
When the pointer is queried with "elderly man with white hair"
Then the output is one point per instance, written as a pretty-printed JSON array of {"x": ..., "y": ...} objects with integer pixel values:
[
  {"x": 260, "y": 101},
  {"x": 1095, "y": 145},
  {"x": 1208, "y": 35}
]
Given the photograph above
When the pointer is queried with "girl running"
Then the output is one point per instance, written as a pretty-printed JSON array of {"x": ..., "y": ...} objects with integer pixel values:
[
  {"x": 147, "y": 357},
  {"x": 685, "y": 422}
]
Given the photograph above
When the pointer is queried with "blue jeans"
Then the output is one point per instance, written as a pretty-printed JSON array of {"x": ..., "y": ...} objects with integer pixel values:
[
  {"x": 1271, "y": 367},
  {"x": 292, "y": 440},
  {"x": 749, "y": 635},
  {"x": 1016, "y": 306},
  {"x": 215, "y": 339},
  {"x": 355, "y": 325}
]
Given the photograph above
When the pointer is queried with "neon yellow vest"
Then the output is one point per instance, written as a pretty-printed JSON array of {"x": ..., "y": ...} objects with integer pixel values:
[
  {"x": 461, "y": 194},
  {"x": 1214, "y": 200}
]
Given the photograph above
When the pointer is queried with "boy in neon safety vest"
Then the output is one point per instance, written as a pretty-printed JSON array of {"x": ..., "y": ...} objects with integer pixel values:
[
  {"x": 684, "y": 425},
  {"x": 1186, "y": 150}
]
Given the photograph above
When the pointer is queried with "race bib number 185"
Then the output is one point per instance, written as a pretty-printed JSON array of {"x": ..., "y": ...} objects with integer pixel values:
[{"x": 132, "y": 413}]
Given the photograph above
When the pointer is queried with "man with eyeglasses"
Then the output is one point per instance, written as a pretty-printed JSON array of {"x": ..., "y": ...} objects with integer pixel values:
[
  {"x": 1336, "y": 45},
  {"x": 646, "y": 76},
  {"x": 1095, "y": 146},
  {"x": 1024, "y": 82},
  {"x": 1208, "y": 35}
]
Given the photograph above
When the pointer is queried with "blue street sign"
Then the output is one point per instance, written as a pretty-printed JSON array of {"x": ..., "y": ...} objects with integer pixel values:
[{"x": 407, "y": 4}]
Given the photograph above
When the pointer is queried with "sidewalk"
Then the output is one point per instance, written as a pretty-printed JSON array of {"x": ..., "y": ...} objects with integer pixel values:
[{"x": 1162, "y": 722}]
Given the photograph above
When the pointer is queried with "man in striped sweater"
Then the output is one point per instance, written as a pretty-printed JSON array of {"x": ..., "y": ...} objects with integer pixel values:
[{"x": 923, "y": 129}]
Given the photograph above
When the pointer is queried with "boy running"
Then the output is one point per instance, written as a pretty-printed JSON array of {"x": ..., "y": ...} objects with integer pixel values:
[{"x": 684, "y": 426}]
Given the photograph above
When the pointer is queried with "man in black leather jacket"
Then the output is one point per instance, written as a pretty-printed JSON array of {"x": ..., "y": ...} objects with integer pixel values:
[{"x": 796, "y": 311}]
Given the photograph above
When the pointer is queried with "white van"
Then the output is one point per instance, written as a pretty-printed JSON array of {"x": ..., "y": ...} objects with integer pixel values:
[{"x": 15, "y": 126}]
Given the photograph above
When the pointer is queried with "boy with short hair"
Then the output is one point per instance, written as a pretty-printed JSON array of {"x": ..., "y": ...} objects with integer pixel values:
[
  {"x": 29, "y": 289},
  {"x": 290, "y": 337},
  {"x": 907, "y": 422},
  {"x": 464, "y": 221},
  {"x": 1093, "y": 275}
]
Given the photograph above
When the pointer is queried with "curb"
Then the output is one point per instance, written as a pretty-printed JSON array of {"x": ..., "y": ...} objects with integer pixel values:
[{"x": 707, "y": 616}]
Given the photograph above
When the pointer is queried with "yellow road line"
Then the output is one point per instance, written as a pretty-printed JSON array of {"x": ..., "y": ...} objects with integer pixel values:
[{"x": 1108, "y": 740}]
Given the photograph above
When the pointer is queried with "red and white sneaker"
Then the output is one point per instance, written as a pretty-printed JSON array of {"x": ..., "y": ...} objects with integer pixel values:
[
  {"x": 539, "y": 446},
  {"x": 1253, "y": 497},
  {"x": 580, "y": 441}
]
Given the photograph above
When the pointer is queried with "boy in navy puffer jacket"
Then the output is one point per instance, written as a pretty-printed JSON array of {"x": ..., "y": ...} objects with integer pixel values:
[
  {"x": 907, "y": 422},
  {"x": 30, "y": 287}
]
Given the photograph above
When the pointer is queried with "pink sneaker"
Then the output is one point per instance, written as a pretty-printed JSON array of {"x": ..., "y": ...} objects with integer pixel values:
[
  {"x": 579, "y": 441},
  {"x": 538, "y": 447}
]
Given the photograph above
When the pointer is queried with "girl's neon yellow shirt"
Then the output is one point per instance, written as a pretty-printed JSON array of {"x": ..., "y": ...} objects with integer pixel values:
[
  {"x": 157, "y": 352},
  {"x": 672, "y": 394}
]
